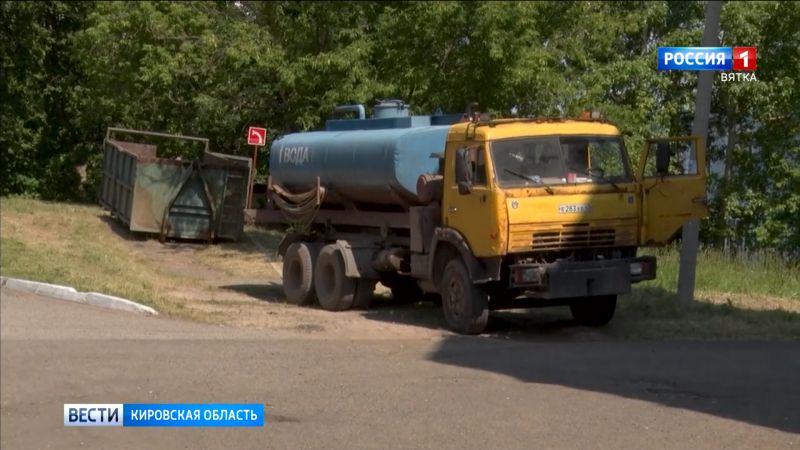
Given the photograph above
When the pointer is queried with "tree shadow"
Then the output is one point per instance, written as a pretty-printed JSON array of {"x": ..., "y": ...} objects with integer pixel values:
[
  {"x": 254, "y": 240},
  {"x": 751, "y": 382},
  {"x": 543, "y": 323},
  {"x": 119, "y": 228},
  {"x": 269, "y": 291},
  {"x": 655, "y": 308},
  {"x": 755, "y": 382}
]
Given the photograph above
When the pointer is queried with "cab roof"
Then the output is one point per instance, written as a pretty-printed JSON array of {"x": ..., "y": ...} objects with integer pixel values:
[{"x": 511, "y": 128}]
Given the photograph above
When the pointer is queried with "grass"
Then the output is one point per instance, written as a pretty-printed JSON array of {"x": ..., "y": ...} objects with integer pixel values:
[
  {"x": 68, "y": 244},
  {"x": 760, "y": 274},
  {"x": 735, "y": 298},
  {"x": 77, "y": 245}
]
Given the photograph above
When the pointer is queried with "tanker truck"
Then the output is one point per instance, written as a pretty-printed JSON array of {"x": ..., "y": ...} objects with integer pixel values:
[{"x": 475, "y": 214}]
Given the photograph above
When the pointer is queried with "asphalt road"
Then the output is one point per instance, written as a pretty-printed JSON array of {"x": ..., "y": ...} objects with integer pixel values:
[{"x": 456, "y": 392}]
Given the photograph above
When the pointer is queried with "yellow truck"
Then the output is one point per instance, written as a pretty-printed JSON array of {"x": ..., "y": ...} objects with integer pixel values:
[{"x": 476, "y": 214}]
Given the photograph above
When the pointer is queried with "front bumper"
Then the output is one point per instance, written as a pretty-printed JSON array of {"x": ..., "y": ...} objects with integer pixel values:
[{"x": 565, "y": 279}]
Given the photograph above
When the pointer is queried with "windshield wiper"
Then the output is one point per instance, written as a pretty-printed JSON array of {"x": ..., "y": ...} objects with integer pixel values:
[
  {"x": 592, "y": 172},
  {"x": 533, "y": 178}
]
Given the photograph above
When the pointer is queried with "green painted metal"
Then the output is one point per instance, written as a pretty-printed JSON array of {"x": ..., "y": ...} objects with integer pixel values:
[{"x": 201, "y": 199}]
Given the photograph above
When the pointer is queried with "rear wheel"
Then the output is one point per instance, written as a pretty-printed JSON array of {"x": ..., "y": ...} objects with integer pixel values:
[
  {"x": 298, "y": 273},
  {"x": 335, "y": 291},
  {"x": 594, "y": 311},
  {"x": 465, "y": 306}
]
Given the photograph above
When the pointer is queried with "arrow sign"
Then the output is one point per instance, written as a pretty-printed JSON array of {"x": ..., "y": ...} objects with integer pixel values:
[{"x": 257, "y": 136}]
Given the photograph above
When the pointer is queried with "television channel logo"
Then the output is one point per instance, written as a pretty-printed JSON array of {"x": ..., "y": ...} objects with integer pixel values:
[
  {"x": 695, "y": 58},
  {"x": 733, "y": 63},
  {"x": 93, "y": 415},
  {"x": 164, "y": 415},
  {"x": 744, "y": 58}
]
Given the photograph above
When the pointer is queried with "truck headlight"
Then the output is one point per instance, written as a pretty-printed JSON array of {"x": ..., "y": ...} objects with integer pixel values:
[
  {"x": 526, "y": 275},
  {"x": 530, "y": 276}
]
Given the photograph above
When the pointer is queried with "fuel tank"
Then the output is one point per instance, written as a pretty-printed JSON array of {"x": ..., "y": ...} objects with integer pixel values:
[{"x": 373, "y": 161}]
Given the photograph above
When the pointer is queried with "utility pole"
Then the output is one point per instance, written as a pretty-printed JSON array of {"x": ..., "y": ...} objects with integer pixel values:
[{"x": 690, "y": 240}]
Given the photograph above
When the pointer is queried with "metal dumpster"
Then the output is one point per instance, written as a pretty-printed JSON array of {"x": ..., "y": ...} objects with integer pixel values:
[{"x": 173, "y": 198}]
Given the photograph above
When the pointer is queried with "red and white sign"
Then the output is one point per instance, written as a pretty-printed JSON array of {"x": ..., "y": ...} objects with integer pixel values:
[{"x": 257, "y": 136}]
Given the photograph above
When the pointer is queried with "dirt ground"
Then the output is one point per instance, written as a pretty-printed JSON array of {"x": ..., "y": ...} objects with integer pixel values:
[{"x": 239, "y": 284}]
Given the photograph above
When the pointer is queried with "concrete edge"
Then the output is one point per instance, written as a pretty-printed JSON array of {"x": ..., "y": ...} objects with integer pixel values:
[
  {"x": 70, "y": 294},
  {"x": 109, "y": 301}
]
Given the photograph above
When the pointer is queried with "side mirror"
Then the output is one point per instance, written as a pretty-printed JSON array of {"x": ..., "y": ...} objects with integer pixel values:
[
  {"x": 463, "y": 172},
  {"x": 662, "y": 158}
]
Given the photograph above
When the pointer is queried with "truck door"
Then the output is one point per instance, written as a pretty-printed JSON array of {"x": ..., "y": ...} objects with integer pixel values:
[
  {"x": 672, "y": 175},
  {"x": 474, "y": 213}
]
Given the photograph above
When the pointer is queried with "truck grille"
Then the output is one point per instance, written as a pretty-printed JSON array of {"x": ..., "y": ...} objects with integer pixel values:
[{"x": 541, "y": 237}]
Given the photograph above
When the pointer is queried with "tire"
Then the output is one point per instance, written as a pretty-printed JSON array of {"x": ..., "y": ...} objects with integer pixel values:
[
  {"x": 335, "y": 291},
  {"x": 298, "y": 273},
  {"x": 365, "y": 291},
  {"x": 594, "y": 311},
  {"x": 465, "y": 306}
]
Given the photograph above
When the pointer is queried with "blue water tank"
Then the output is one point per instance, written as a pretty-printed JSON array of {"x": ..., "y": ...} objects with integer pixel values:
[{"x": 372, "y": 161}]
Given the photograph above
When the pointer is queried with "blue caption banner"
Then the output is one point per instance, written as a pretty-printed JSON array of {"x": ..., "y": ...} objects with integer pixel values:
[
  {"x": 695, "y": 58},
  {"x": 193, "y": 415}
]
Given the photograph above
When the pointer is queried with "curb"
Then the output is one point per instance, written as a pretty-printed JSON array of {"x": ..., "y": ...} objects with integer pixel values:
[
  {"x": 46, "y": 289},
  {"x": 109, "y": 301},
  {"x": 70, "y": 294}
]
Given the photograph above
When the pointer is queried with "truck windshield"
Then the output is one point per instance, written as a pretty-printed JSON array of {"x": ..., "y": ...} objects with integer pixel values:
[{"x": 559, "y": 160}]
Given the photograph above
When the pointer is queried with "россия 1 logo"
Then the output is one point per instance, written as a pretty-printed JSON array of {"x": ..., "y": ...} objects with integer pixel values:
[{"x": 740, "y": 60}]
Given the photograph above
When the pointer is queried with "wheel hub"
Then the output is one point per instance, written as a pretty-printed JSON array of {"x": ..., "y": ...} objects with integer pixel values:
[{"x": 455, "y": 297}]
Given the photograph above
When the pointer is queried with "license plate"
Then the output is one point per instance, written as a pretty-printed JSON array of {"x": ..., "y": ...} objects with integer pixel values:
[{"x": 574, "y": 209}]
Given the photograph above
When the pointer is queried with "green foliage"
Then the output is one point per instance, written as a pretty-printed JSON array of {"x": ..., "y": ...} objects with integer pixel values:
[
  {"x": 211, "y": 69},
  {"x": 35, "y": 89},
  {"x": 758, "y": 131}
]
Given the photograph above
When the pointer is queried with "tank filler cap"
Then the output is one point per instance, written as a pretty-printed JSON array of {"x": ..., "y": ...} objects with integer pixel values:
[{"x": 390, "y": 109}]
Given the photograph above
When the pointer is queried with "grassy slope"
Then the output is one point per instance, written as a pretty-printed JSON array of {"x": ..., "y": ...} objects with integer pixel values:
[
  {"x": 70, "y": 244},
  {"x": 75, "y": 245}
]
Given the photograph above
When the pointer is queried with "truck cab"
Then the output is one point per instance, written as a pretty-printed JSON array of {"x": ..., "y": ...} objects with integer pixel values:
[{"x": 556, "y": 211}]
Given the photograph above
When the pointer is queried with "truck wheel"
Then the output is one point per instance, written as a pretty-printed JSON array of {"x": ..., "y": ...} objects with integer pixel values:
[
  {"x": 335, "y": 291},
  {"x": 466, "y": 307},
  {"x": 365, "y": 291},
  {"x": 594, "y": 311},
  {"x": 298, "y": 273}
]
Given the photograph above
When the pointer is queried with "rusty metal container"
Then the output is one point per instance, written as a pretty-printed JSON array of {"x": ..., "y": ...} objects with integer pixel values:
[{"x": 173, "y": 198}]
